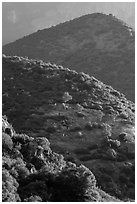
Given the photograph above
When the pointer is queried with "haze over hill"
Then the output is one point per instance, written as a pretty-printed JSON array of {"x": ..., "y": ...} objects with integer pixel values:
[
  {"x": 22, "y": 18},
  {"x": 87, "y": 121},
  {"x": 98, "y": 44}
]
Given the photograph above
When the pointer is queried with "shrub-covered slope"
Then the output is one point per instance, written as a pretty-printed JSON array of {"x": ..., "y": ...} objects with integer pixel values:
[
  {"x": 99, "y": 44},
  {"x": 87, "y": 121},
  {"x": 32, "y": 172}
]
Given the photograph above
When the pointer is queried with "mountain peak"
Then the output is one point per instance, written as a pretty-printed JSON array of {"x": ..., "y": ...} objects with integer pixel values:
[{"x": 97, "y": 43}]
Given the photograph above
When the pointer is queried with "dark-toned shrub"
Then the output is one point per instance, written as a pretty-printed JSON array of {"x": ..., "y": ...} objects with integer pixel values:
[
  {"x": 38, "y": 163},
  {"x": 35, "y": 188},
  {"x": 73, "y": 184},
  {"x": 21, "y": 138},
  {"x": 8, "y": 131}
]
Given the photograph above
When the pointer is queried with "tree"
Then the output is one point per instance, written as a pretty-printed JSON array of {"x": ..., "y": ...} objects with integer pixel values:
[{"x": 73, "y": 184}]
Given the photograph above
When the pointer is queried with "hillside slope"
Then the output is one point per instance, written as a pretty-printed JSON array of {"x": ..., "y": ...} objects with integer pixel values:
[
  {"x": 32, "y": 172},
  {"x": 98, "y": 44},
  {"x": 85, "y": 120}
]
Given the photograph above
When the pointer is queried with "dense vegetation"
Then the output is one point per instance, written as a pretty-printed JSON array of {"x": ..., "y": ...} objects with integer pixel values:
[
  {"x": 99, "y": 44},
  {"x": 32, "y": 172},
  {"x": 85, "y": 120}
]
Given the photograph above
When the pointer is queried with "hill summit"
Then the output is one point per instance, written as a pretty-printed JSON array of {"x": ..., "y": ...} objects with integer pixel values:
[
  {"x": 85, "y": 120},
  {"x": 99, "y": 44}
]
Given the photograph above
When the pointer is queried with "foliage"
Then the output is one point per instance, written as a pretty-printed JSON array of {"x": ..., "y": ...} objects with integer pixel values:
[
  {"x": 73, "y": 184},
  {"x": 31, "y": 91},
  {"x": 25, "y": 179},
  {"x": 9, "y": 187},
  {"x": 7, "y": 143}
]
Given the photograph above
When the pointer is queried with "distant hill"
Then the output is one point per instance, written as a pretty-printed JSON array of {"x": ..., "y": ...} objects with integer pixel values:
[
  {"x": 85, "y": 120},
  {"x": 98, "y": 44}
]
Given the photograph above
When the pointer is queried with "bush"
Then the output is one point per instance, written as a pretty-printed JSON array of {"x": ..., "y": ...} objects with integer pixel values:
[
  {"x": 73, "y": 184},
  {"x": 7, "y": 143},
  {"x": 21, "y": 138},
  {"x": 36, "y": 188},
  {"x": 9, "y": 188},
  {"x": 22, "y": 171}
]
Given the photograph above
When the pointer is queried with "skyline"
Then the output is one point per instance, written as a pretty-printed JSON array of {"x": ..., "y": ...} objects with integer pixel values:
[{"x": 20, "y": 18}]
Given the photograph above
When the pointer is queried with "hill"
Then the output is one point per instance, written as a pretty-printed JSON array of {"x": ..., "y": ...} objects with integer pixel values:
[
  {"x": 32, "y": 172},
  {"x": 87, "y": 121},
  {"x": 98, "y": 44}
]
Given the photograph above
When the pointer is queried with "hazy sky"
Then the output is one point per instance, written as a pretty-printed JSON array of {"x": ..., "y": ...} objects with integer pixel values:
[{"x": 22, "y": 18}]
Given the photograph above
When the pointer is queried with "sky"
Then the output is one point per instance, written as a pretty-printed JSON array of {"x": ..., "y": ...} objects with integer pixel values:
[{"x": 22, "y": 18}]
